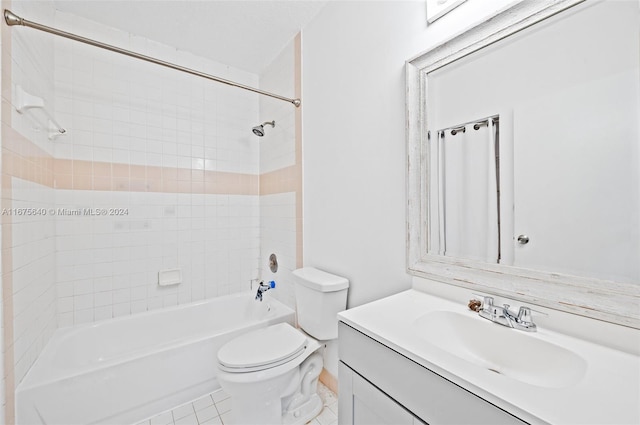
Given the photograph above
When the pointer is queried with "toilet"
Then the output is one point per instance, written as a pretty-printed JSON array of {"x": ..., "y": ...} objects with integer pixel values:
[{"x": 272, "y": 373}]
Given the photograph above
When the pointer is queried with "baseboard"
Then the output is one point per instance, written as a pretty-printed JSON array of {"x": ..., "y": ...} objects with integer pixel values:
[{"x": 329, "y": 380}]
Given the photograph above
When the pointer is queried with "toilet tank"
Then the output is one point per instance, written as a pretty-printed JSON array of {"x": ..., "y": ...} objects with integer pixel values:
[{"x": 320, "y": 296}]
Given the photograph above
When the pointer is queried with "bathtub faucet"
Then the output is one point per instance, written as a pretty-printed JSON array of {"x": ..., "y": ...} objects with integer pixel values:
[{"x": 262, "y": 288}]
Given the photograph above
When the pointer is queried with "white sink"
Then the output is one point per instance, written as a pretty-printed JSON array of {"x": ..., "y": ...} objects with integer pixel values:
[
  {"x": 550, "y": 376},
  {"x": 512, "y": 353}
]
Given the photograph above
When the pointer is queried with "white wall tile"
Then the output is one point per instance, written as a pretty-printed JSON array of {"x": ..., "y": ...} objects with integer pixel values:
[
  {"x": 277, "y": 147},
  {"x": 278, "y": 236},
  {"x": 34, "y": 299},
  {"x": 120, "y": 268}
]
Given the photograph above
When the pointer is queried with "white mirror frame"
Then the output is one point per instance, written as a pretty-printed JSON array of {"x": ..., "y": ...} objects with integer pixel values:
[{"x": 599, "y": 299}]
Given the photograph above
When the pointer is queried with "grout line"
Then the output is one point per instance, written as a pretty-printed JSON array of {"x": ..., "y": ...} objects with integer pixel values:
[{"x": 323, "y": 390}]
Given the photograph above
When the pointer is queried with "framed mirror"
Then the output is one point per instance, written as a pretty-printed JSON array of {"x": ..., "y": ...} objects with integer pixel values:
[{"x": 523, "y": 158}]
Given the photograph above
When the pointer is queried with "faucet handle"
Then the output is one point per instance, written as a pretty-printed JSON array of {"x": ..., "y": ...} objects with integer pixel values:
[
  {"x": 524, "y": 315},
  {"x": 485, "y": 299},
  {"x": 486, "y": 309},
  {"x": 487, "y": 302}
]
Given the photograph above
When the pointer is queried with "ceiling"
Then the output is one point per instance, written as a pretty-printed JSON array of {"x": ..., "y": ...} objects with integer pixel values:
[{"x": 243, "y": 34}]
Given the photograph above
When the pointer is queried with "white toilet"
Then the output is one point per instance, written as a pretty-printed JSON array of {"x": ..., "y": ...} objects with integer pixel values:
[{"x": 272, "y": 373}]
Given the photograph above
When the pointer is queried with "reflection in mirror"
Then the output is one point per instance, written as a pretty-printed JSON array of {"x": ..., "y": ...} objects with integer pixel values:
[
  {"x": 556, "y": 186},
  {"x": 465, "y": 194},
  {"x": 563, "y": 77}
]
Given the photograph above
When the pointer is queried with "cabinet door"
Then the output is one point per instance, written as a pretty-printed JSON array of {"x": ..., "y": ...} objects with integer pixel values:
[{"x": 367, "y": 405}]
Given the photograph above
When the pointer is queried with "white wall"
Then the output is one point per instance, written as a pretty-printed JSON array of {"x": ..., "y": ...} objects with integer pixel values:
[{"x": 354, "y": 137}]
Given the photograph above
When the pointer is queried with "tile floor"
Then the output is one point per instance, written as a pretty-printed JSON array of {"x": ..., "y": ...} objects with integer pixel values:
[{"x": 214, "y": 409}]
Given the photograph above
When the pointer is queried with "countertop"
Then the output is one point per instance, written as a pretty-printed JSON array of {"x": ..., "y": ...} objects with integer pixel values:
[{"x": 607, "y": 393}]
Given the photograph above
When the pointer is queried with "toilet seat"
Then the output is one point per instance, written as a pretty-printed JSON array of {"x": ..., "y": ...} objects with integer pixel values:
[{"x": 262, "y": 349}]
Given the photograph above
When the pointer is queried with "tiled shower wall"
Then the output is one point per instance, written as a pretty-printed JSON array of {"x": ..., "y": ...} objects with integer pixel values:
[
  {"x": 108, "y": 266},
  {"x": 173, "y": 154},
  {"x": 34, "y": 295}
]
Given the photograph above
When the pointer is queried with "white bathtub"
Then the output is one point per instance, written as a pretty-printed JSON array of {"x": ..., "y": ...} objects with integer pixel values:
[{"x": 125, "y": 370}]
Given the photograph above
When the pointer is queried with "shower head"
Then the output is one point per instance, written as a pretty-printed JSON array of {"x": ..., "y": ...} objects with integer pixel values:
[{"x": 259, "y": 129}]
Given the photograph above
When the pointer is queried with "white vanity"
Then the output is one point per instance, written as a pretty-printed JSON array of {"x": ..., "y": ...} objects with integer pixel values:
[{"x": 419, "y": 358}]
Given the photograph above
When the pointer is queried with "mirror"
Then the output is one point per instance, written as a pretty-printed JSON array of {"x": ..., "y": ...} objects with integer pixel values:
[{"x": 524, "y": 158}]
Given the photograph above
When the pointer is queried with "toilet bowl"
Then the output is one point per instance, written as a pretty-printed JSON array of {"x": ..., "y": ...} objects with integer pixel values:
[{"x": 272, "y": 373}]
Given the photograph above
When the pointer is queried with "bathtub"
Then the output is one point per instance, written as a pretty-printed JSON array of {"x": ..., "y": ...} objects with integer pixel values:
[{"x": 125, "y": 370}]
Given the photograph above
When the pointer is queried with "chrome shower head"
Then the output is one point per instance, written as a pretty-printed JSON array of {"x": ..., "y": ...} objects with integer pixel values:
[{"x": 259, "y": 129}]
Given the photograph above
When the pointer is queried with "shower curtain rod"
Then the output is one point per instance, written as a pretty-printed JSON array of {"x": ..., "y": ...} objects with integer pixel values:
[{"x": 12, "y": 19}]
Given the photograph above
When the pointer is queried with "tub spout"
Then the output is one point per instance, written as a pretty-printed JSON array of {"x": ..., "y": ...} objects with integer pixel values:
[{"x": 262, "y": 288}]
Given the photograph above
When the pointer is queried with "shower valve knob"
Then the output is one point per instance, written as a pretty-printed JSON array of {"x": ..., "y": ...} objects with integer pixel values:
[{"x": 273, "y": 263}]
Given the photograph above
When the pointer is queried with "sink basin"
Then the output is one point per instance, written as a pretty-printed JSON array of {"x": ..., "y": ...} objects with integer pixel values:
[{"x": 511, "y": 353}]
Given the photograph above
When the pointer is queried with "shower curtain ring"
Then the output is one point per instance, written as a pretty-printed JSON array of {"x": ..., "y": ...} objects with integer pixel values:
[{"x": 457, "y": 130}]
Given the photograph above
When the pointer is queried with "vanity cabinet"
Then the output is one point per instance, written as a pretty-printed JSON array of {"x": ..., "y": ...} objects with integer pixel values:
[
  {"x": 365, "y": 404},
  {"x": 378, "y": 385}
]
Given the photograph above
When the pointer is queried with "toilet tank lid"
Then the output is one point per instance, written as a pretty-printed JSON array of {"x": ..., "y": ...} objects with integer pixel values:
[{"x": 319, "y": 280}]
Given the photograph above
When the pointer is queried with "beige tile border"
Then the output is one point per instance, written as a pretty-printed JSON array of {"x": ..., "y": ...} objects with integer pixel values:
[
  {"x": 24, "y": 160},
  {"x": 88, "y": 175},
  {"x": 280, "y": 181}
]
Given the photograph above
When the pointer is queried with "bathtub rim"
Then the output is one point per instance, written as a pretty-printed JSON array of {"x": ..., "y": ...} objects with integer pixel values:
[{"x": 285, "y": 313}]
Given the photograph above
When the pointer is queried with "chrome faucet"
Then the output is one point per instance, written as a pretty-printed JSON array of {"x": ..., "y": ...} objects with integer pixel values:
[
  {"x": 503, "y": 316},
  {"x": 262, "y": 288}
]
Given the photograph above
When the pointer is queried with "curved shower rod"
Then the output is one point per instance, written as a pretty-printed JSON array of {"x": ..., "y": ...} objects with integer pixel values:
[{"x": 12, "y": 19}]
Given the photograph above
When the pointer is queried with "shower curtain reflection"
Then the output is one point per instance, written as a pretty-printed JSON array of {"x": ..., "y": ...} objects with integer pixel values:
[{"x": 469, "y": 192}]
